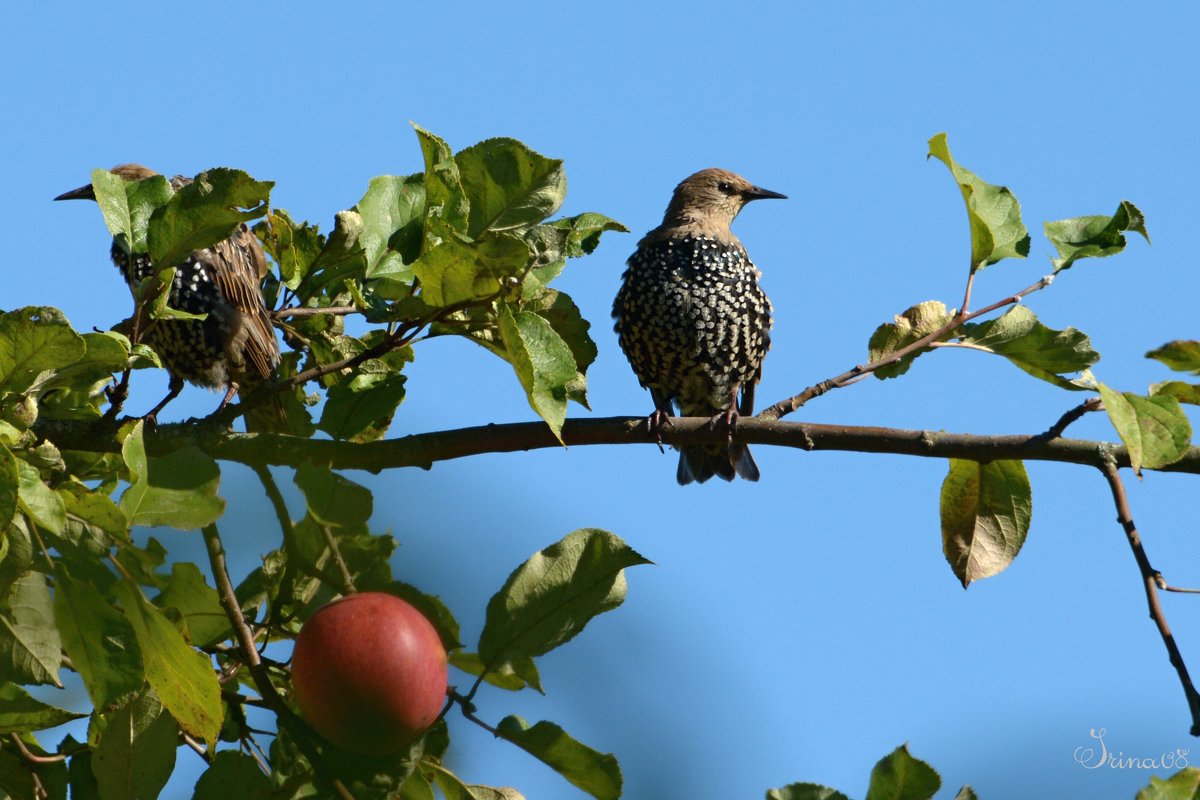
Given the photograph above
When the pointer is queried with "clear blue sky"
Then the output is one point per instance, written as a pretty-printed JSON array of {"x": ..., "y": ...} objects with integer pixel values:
[{"x": 800, "y": 628}]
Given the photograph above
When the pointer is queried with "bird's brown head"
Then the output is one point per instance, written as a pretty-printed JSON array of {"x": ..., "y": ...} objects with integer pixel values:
[
  {"x": 709, "y": 200},
  {"x": 128, "y": 172}
]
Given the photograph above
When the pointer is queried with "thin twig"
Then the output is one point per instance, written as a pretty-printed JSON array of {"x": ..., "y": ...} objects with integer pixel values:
[
  {"x": 1125, "y": 519},
  {"x": 196, "y": 748},
  {"x": 301, "y": 311},
  {"x": 785, "y": 407},
  {"x": 32, "y": 757},
  {"x": 290, "y": 549},
  {"x": 347, "y": 579},
  {"x": 249, "y": 652},
  {"x": 1056, "y": 430}
]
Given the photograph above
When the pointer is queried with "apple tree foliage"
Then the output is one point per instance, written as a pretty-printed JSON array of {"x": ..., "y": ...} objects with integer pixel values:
[{"x": 180, "y": 657}]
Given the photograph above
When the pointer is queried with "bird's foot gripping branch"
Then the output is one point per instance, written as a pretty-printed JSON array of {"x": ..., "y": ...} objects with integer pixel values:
[{"x": 465, "y": 248}]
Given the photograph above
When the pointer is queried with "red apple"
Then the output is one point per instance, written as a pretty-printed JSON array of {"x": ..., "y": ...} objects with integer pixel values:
[{"x": 369, "y": 673}]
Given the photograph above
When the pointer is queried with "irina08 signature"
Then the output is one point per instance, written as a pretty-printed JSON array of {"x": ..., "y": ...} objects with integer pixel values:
[{"x": 1088, "y": 757}]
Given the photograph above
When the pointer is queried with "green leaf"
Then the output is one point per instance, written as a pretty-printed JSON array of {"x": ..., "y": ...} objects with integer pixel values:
[
  {"x": 1097, "y": 236},
  {"x": 446, "y": 205},
  {"x": 1181, "y": 355},
  {"x": 230, "y": 775},
  {"x": 9, "y": 489},
  {"x": 177, "y": 490},
  {"x": 182, "y": 678},
  {"x": 30, "y": 647},
  {"x": 1041, "y": 351},
  {"x": 543, "y": 363},
  {"x": 431, "y": 607},
  {"x": 552, "y": 596},
  {"x": 204, "y": 621},
  {"x": 899, "y": 776},
  {"x": 20, "y": 713},
  {"x": 98, "y": 639},
  {"x": 128, "y": 205},
  {"x": 333, "y": 499},
  {"x": 508, "y": 186},
  {"x": 512, "y": 676},
  {"x": 34, "y": 340},
  {"x": 453, "y": 271},
  {"x": 393, "y": 211},
  {"x": 204, "y": 212},
  {"x": 364, "y": 402},
  {"x": 1183, "y": 392},
  {"x": 594, "y": 772},
  {"x": 985, "y": 509},
  {"x": 453, "y": 788},
  {"x": 293, "y": 246},
  {"x": 136, "y": 753},
  {"x": 966, "y": 793},
  {"x": 567, "y": 321},
  {"x": 1183, "y": 785},
  {"x": 1154, "y": 429},
  {"x": 38, "y": 500},
  {"x": 997, "y": 231},
  {"x": 909, "y": 327},
  {"x": 584, "y": 232},
  {"x": 805, "y": 791}
]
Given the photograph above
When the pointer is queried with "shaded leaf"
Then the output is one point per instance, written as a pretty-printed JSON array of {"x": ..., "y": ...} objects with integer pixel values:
[
  {"x": 1097, "y": 236},
  {"x": 1154, "y": 429},
  {"x": 446, "y": 205},
  {"x": 594, "y": 772},
  {"x": 1181, "y": 355},
  {"x": 453, "y": 271},
  {"x": 909, "y": 327},
  {"x": 187, "y": 592},
  {"x": 985, "y": 510},
  {"x": 203, "y": 213},
  {"x": 513, "y": 675},
  {"x": 293, "y": 246},
  {"x": 20, "y": 713},
  {"x": 1041, "y": 351},
  {"x": 899, "y": 776},
  {"x": 98, "y": 639},
  {"x": 1183, "y": 392},
  {"x": 39, "y": 501},
  {"x": 30, "y": 647},
  {"x": 233, "y": 775},
  {"x": 9, "y": 491},
  {"x": 997, "y": 231},
  {"x": 552, "y": 596},
  {"x": 136, "y": 753},
  {"x": 333, "y": 499},
  {"x": 182, "y": 678},
  {"x": 805, "y": 791},
  {"x": 543, "y": 363},
  {"x": 508, "y": 185},
  {"x": 178, "y": 490},
  {"x": 365, "y": 402}
]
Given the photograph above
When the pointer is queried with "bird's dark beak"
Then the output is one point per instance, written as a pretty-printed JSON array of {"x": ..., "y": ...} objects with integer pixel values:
[
  {"x": 758, "y": 193},
  {"x": 85, "y": 192}
]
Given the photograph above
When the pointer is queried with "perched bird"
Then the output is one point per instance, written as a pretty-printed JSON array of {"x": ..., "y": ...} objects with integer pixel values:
[
  {"x": 693, "y": 321},
  {"x": 234, "y": 346}
]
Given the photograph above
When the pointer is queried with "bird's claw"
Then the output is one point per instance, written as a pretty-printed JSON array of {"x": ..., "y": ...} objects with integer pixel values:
[{"x": 656, "y": 423}]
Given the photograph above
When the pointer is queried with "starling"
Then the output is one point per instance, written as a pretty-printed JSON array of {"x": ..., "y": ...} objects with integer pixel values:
[
  {"x": 693, "y": 321},
  {"x": 234, "y": 345}
]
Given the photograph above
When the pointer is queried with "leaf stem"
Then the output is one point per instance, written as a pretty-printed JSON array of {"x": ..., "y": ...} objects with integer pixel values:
[{"x": 1150, "y": 584}]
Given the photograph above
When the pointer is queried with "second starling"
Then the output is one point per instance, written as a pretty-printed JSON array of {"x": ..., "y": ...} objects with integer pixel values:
[
  {"x": 234, "y": 345},
  {"x": 693, "y": 320}
]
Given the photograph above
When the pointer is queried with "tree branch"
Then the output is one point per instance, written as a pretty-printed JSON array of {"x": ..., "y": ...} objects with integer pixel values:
[
  {"x": 1150, "y": 583},
  {"x": 785, "y": 407},
  {"x": 425, "y": 449}
]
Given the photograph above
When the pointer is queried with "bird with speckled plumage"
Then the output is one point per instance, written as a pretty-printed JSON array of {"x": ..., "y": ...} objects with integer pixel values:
[
  {"x": 693, "y": 320},
  {"x": 234, "y": 345}
]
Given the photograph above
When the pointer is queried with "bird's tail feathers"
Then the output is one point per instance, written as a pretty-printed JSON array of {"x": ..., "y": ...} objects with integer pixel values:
[{"x": 698, "y": 463}]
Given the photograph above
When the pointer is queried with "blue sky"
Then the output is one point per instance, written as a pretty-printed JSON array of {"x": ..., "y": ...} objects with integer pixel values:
[{"x": 800, "y": 628}]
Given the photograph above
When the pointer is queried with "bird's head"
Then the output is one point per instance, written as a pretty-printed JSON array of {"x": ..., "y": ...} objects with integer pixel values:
[
  {"x": 712, "y": 198},
  {"x": 127, "y": 172}
]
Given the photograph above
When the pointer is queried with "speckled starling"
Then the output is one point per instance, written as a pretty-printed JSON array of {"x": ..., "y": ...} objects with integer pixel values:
[
  {"x": 235, "y": 344},
  {"x": 693, "y": 321}
]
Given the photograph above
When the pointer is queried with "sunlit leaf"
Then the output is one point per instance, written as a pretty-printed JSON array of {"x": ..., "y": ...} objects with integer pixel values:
[
  {"x": 1181, "y": 355},
  {"x": 997, "y": 231},
  {"x": 594, "y": 772},
  {"x": 1183, "y": 785},
  {"x": 446, "y": 205},
  {"x": 187, "y": 592},
  {"x": 178, "y": 490},
  {"x": 543, "y": 363},
  {"x": 985, "y": 510},
  {"x": 128, "y": 205},
  {"x": 1097, "y": 236},
  {"x": 393, "y": 211},
  {"x": 136, "y": 753},
  {"x": 805, "y": 791},
  {"x": 204, "y": 212},
  {"x": 33, "y": 340},
  {"x": 508, "y": 185},
  {"x": 1154, "y": 429},
  {"x": 38, "y": 500},
  {"x": 909, "y": 327},
  {"x": 1041, "y": 351}
]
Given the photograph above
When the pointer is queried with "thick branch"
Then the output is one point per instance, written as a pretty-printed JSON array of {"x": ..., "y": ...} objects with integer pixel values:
[
  {"x": 424, "y": 449},
  {"x": 1150, "y": 584}
]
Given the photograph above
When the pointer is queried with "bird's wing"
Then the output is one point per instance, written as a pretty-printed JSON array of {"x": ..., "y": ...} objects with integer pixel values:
[{"x": 236, "y": 265}]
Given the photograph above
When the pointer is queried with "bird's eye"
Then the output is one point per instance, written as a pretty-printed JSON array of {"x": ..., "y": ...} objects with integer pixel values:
[{"x": 725, "y": 187}]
